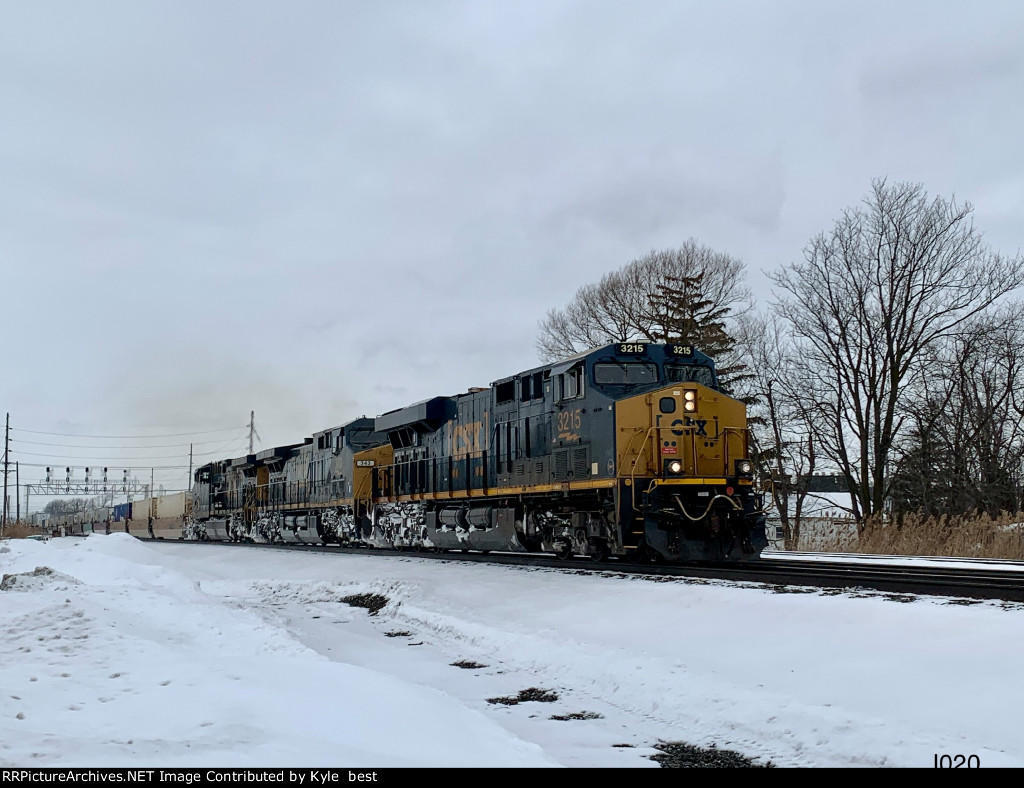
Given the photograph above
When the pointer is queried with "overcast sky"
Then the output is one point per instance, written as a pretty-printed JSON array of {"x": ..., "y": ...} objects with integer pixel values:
[{"x": 319, "y": 210}]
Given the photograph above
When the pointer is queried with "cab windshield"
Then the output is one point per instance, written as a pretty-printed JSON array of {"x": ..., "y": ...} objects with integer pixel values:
[
  {"x": 689, "y": 373},
  {"x": 625, "y": 373}
]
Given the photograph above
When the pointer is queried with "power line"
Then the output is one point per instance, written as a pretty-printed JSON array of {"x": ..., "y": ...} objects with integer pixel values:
[
  {"x": 120, "y": 466},
  {"x": 166, "y": 435},
  {"x": 86, "y": 446},
  {"x": 225, "y": 447},
  {"x": 232, "y": 444},
  {"x": 137, "y": 462},
  {"x": 63, "y": 457}
]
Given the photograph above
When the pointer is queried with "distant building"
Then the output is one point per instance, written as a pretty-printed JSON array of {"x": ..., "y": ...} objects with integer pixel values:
[
  {"x": 826, "y": 515},
  {"x": 826, "y": 483}
]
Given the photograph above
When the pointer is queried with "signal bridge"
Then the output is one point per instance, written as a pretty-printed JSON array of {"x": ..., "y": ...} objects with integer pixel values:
[
  {"x": 64, "y": 487},
  {"x": 130, "y": 488}
]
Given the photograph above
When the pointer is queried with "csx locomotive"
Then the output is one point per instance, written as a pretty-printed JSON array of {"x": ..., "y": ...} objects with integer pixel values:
[{"x": 629, "y": 450}]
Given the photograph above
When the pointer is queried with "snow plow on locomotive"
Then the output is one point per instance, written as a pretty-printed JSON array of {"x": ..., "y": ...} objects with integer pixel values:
[{"x": 628, "y": 450}]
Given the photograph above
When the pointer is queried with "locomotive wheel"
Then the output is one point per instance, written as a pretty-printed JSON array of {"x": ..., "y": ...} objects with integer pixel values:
[
  {"x": 563, "y": 551},
  {"x": 599, "y": 552}
]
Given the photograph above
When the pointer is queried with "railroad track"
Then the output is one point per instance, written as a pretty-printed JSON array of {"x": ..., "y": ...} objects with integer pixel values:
[{"x": 1006, "y": 583}]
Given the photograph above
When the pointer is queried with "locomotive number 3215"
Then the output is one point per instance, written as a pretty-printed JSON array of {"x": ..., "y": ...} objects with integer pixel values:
[{"x": 569, "y": 420}]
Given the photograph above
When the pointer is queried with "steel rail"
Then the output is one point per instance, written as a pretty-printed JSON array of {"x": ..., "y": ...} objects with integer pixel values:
[{"x": 779, "y": 574}]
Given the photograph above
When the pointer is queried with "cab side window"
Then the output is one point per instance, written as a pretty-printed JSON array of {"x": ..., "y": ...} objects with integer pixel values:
[{"x": 570, "y": 384}]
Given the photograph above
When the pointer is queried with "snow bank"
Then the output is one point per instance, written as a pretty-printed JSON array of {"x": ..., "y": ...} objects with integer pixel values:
[
  {"x": 111, "y": 658},
  {"x": 42, "y": 577}
]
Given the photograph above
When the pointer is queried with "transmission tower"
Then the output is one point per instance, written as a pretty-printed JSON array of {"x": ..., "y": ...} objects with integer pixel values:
[{"x": 252, "y": 430}]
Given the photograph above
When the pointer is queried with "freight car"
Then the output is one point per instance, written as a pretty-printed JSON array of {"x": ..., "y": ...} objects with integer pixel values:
[
  {"x": 630, "y": 450},
  {"x": 96, "y": 520}
]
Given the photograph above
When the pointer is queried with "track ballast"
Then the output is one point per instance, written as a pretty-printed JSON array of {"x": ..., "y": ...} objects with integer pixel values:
[{"x": 779, "y": 573}]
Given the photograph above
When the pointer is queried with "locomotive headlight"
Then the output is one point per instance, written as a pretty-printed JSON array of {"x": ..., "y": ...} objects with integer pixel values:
[
  {"x": 689, "y": 406},
  {"x": 689, "y": 400},
  {"x": 744, "y": 467},
  {"x": 690, "y": 395},
  {"x": 675, "y": 467}
]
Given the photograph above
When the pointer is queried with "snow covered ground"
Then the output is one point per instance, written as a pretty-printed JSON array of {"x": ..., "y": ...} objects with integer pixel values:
[{"x": 198, "y": 655}]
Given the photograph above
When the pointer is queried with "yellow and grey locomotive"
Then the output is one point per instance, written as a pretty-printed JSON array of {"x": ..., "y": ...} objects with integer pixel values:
[{"x": 630, "y": 449}]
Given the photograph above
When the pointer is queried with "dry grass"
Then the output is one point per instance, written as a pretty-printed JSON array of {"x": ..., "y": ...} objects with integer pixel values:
[
  {"x": 531, "y": 694},
  {"x": 21, "y": 530},
  {"x": 372, "y": 602},
  {"x": 965, "y": 536}
]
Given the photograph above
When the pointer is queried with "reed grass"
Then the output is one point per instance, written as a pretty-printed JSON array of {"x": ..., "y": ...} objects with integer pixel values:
[
  {"x": 21, "y": 530},
  {"x": 975, "y": 535}
]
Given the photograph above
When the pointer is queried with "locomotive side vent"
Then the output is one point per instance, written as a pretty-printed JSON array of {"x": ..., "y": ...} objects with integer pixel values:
[
  {"x": 561, "y": 465},
  {"x": 580, "y": 463}
]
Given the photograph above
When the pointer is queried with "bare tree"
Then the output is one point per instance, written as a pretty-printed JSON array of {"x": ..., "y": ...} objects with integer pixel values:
[
  {"x": 66, "y": 506},
  {"x": 964, "y": 450},
  {"x": 629, "y": 304},
  {"x": 894, "y": 277},
  {"x": 781, "y": 435}
]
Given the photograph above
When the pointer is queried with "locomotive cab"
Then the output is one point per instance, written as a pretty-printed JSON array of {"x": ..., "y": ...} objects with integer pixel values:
[{"x": 686, "y": 475}]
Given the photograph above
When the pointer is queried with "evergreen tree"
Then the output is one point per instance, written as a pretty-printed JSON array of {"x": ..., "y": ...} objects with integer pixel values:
[{"x": 686, "y": 315}]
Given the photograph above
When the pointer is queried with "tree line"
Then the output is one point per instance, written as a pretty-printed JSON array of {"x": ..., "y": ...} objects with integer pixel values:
[{"x": 890, "y": 354}]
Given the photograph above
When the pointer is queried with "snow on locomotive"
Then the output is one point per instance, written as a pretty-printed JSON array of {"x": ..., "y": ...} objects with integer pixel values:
[{"x": 628, "y": 450}]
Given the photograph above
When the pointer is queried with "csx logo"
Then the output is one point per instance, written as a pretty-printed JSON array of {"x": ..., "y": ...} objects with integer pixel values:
[
  {"x": 700, "y": 424},
  {"x": 465, "y": 438}
]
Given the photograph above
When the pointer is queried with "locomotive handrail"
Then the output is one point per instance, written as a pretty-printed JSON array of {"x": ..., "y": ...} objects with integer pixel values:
[
  {"x": 741, "y": 433},
  {"x": 632, "y": 471},
  {"x": 689, "y": 431},
  {"x": 466, "y": 484},
  {"x": 647, "y": 437},
  {"x": 639, "y": 451}
]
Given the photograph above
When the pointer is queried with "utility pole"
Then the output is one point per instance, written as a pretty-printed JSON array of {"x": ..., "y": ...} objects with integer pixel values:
[
  {"x": 17, "y": 493},
  {"x": 7, "y": 442},
  {"x": 252, "y": 428},
  {"x": 152, "y": 495},
  {"x": 189, "y": 485}
]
